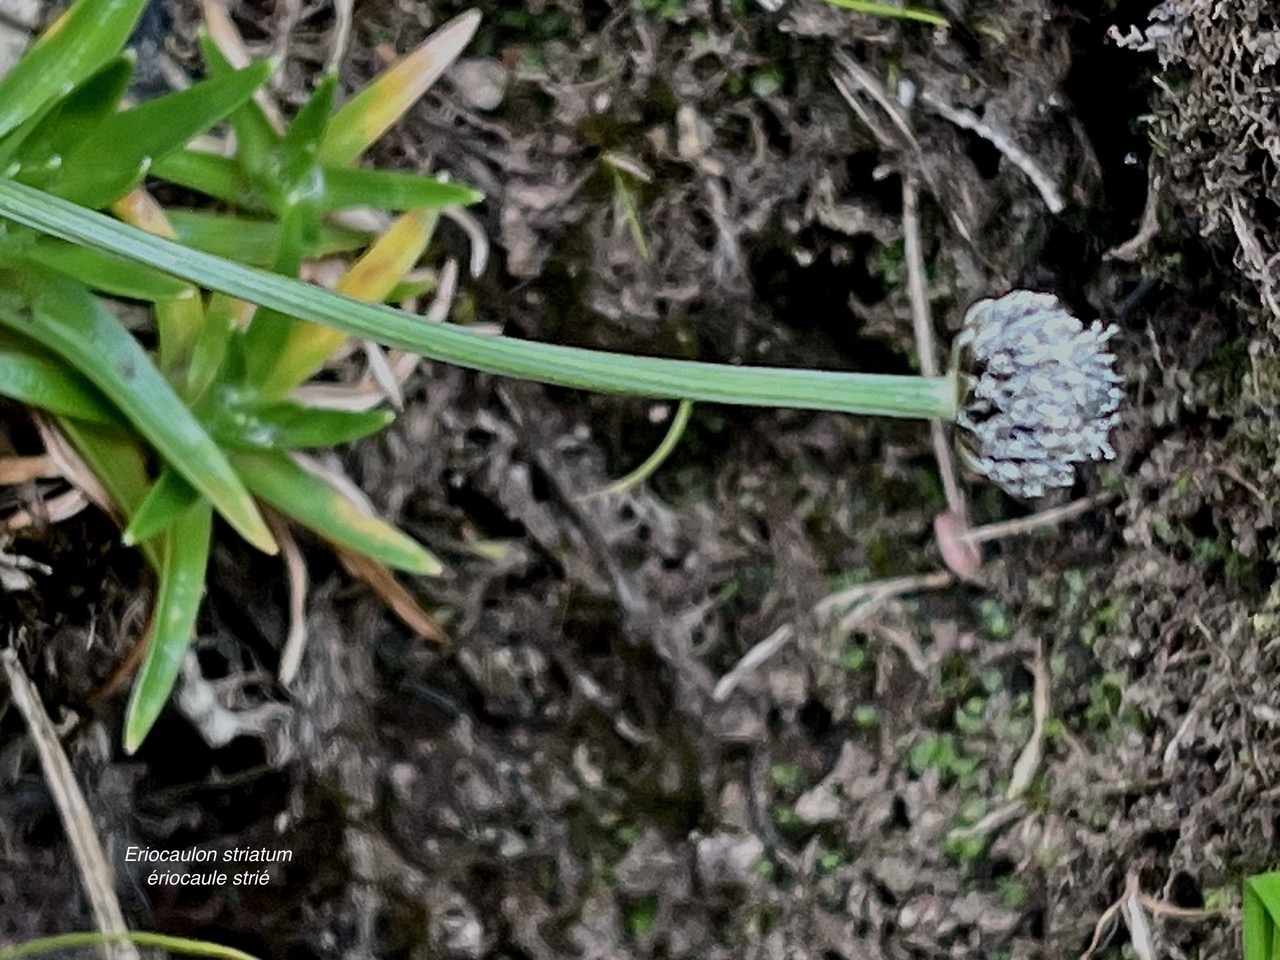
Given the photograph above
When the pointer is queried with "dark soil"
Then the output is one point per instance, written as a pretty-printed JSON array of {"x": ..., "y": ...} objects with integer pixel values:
[{"x": 562, "y": 781}]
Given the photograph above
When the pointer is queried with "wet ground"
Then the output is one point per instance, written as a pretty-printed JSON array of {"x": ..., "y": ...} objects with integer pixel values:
[{"x": 979, "y": 770}]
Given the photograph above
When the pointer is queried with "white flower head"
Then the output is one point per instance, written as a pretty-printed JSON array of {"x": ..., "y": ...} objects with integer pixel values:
[{"x": 1040, "y": 392}]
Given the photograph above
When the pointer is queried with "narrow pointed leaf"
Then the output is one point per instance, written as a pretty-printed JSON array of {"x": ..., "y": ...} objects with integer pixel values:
[
  {"x": 302, "y": 142},
  {"x": 381, "y": 268},
  {"x": 168, "y": 499},
  {"x": 13, "y": 141},
  {"x": 285, "y": 425},
  {"x": 299, "y": 230},
  {"x": 892, "y": 11},
  {"x": 79, "y": 42},
  {"x": 313, "y": 502},
  {"x": 48, "y": 384},
  {"x": 210, "y": 347},
  {"x": 214, "y": 176},
  {"x": 371, "y": 112},
  {"x": 63, "y": 317},
  {"x": 390, "y": 190},
  {"x": 184, "y": 562},
  {"x": 1262, "y": 916},
  {"x": 103, "y": 271},
  {"x": 256, "y": 139},
  {"x": 118, "y": 460},
  {"x": 253, "y": 241},
  {"x": 76, "y": 117},
  {"x": 289, "y": 351},
  {"x": 114, "y": 158},
  {"x": 179, "y": 319}
]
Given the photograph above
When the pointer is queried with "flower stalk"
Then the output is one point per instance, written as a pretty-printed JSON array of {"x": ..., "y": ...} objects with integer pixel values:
[
  {"x": 1033, "y": 388},
  {"x": 857, "y": 393}
]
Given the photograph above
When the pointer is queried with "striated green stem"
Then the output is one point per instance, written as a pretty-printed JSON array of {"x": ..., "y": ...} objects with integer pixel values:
[{"x": 859, "y": 393}]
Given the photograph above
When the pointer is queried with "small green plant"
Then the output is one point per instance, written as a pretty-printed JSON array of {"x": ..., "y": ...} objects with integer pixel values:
[
  {"x": 830, "y": 860},
  {"x": 1013, "y": 892},
  {"x": 667, "y": 9},
  {"x": 964, "y": 848},
  {"x": 1262, "y": 917},
  {"x": 641, "y": 916},
  {"x": 787, "y": 776},
  {"x": 941, "y": 753},
  {"x": 994, "y": 619},
  {"x": 209, "y": 421},
  {"x": 855, "y": 657},
  {"x": 205, "y": 423}
]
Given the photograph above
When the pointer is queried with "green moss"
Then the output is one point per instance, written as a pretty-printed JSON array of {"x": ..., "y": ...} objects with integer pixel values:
[
  {"x": 866, "y": 717},
  {"x": 1013, "y": 893},
  {"x": 854, "y": 658},
  {"x": 994, "y": 619},
  {"x": 788, "y": 776},
  {"x": 941, "y": 753},
  {"x": 641, "y": 915}
]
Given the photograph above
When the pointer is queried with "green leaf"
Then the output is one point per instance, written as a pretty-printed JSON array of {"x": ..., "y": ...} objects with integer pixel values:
[
  {"x": 302, "y": 142},
  {"x": 169, "y": 498},
  {"x": 371, "y": 112},
  {"x": 63, "y": 317},
  {"x": 302, "y": 183},
  {"x": 1261, "y": 917},
  {"x": 116, "y": 156},
  {"x": 13, "y": 141},
  {"x": 266, "y": 346},
  {"x": 656, "y": 459},
  {"x": 285, "y": 425},
  {"x": 214, "y": 176},
  {"x": 891, "y": 12},
  {"x": 256, "y": 139},
  {"x": 62, "y": 942},
  {"x": 184, "y": 561},
  {"x": 105, "y": 272},
  {"x": 253, "y": 241},
  {"x": 118, "y": 460},
  {"x": 210, "y": 348},
  {"x": 81, "y": 41},
  {"x": 76, "y": 117},
  {"x": 312, "y": 501},
  {"x": 299, "y": 229},
  {"x": 49, "y": 384},
  {"x": 285, "y": 352},
  {"x": 389, "y": 190}
]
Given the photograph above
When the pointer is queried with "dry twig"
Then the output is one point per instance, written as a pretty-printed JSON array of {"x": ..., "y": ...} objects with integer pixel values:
[
  {"x": 342, "y": 17},
  {"x": 299, "y": 583},
  {"x": 854, "y": 604},
  {"x": 1037, "y": 520},
  {"x": 1148, "y": 229},
  {"x": 392, "y": 593},
  {"x": 1033, "y": 751},
  {"x": 1002, "y": 142},
  {"x": 53, "y": 510},
  {"x": 925, "y": 347},
  {"x": 15, "y": 470},
  {"x": 95, "y": 870}
]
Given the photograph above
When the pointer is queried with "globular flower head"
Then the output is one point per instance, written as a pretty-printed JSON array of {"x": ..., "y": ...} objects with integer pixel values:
[{"x": 1039, "y": 392}]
